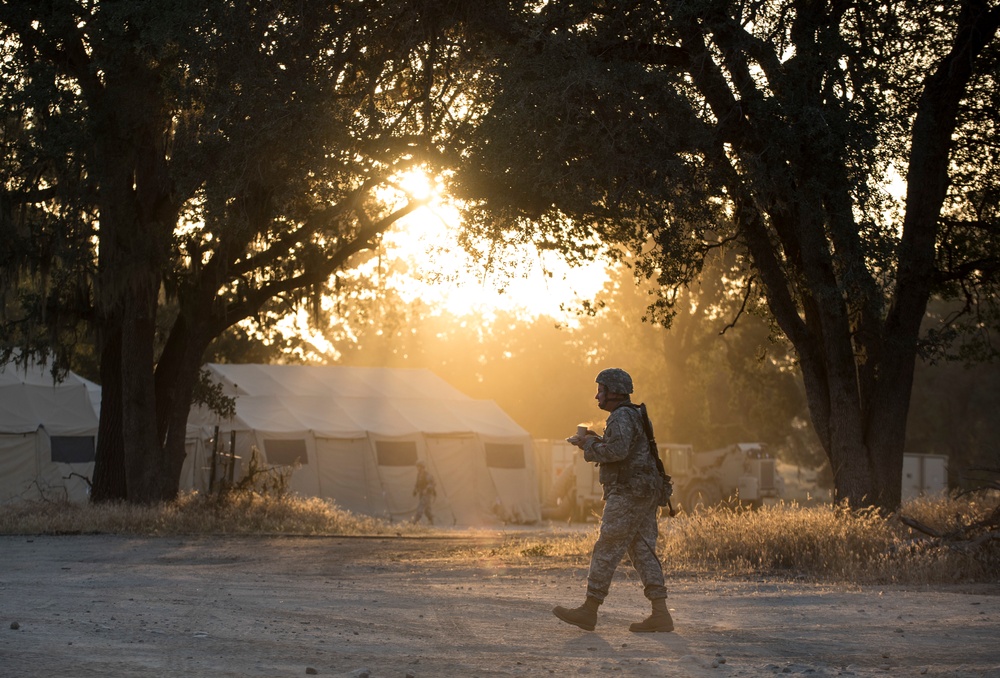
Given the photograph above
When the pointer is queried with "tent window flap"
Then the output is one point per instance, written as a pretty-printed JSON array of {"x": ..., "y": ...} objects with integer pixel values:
[
  {"x": 72, "y": 449},
  {"x": 286, "y": 452},
  {"x": 504, "y": 456},
  {"x": 396, "y": 453}
]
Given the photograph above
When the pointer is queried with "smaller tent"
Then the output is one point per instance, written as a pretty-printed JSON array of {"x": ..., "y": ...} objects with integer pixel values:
[
  {"x": 48, "y": 434},
  {"x": 355, "y": 435}
]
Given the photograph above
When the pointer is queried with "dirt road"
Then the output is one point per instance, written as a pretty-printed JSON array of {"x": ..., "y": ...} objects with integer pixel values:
[{"x": 392, "y": 607}]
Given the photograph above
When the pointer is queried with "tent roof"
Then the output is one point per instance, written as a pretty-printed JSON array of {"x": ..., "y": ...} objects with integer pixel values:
[
  {"x": 34, "y": 374},
  {"x": 31, "y": 399},
  {"x": 317, "y": 380},
  {"x": 351, "y": 402}
]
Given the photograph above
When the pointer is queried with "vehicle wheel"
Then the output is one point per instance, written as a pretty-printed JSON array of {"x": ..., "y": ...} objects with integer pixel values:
[{"x": 701, "y": 495}]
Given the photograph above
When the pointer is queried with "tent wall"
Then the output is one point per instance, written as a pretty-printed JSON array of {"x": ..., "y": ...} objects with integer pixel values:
[
  {"x": 511, "y": 465},
  {"x": 18, "y": 466},
  {"x": 29, "y": 470},
  {"x": 66, "y": 473},
  {"x": 48, "y": 433},
  {"x": 348, "y": 475},
  {"x": 293, "y": 451},
  {"x": 453, "y": 463},
  {"x": 376, "y": 475}
]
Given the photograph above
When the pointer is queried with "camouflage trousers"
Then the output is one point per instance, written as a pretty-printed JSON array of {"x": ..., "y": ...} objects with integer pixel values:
[
  {"x": 627, "y": 526},
  {"x": 424, "y": 509}
]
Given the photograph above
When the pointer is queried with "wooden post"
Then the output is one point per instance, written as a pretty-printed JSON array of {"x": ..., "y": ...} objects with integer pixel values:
[
  {"x": 232, "y": 457},
  {"x": 215, "y": 454}
]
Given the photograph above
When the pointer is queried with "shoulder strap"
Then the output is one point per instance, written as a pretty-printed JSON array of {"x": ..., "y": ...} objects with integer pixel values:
[
  {"x": 646, "y": 425},
  {"x": 655, "y": 452}
]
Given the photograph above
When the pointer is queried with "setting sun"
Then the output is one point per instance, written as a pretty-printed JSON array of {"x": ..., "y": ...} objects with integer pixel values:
[{"x": 444, "y": 275}]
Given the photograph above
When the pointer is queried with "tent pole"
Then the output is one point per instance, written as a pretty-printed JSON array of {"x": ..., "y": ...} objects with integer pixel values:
[
  {"x": 215, "y": 453},
  {"x": 232, "y": 456}
]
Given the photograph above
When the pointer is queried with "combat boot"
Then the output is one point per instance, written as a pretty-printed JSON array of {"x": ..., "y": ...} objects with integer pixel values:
[
  {"x": 659, "y": 621},
  {"x": 584, "y": 616}
]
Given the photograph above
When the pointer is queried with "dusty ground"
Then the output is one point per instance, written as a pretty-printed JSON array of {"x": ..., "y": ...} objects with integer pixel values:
[{"x": 234, "y": 606}]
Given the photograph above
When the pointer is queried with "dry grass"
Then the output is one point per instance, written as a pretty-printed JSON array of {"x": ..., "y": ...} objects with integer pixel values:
[
  {"x": 241, "y": 513},
  {"x": 816, "y": 543}
]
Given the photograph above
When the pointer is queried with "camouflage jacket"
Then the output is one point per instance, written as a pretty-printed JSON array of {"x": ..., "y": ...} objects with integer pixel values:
[
  {"x": 425, "y": 485},
  {"x": 623, "y": 455}
]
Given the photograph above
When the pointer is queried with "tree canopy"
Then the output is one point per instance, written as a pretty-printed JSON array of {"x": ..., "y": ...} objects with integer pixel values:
[
  {"x": 771, "y": 130},
  {"x": 174, "y": 170}
]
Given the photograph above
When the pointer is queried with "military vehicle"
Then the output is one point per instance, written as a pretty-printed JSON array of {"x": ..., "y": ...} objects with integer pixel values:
[{"x": 744, "y": 472}]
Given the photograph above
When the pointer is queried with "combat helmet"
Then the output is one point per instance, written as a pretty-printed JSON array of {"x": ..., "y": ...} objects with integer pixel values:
[{"x": 616, "y": 380}]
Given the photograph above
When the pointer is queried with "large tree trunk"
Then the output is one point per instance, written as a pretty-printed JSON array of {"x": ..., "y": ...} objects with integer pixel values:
[
  {"x": 113, "y": 156},
  {"x": 137, "y": 217},
  {"x": 109, "y": 466},
  {"x": 143, "y": 451},
  {"x": 176, "y": 375}
]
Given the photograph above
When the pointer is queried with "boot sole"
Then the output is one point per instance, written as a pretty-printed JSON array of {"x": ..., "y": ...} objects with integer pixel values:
[
  {"x": 651, "y": 630},
  {"x": 585, "y": 627}
]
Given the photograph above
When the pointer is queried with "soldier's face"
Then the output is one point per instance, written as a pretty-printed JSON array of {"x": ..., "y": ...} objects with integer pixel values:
[{"x": 602, "y": 396}]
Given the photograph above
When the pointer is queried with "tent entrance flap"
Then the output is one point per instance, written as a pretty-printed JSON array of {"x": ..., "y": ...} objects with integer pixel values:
[
  {"x": 452, "y": 461},
  {"x": 397, "y": 472},
  {"x": 509, "y": 464},
  {"x": 348, "y": 475}
]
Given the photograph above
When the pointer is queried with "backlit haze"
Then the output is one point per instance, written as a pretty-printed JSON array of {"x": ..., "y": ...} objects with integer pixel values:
[
  {"x": 426, "y": 262},
  {"x": 446, "y": 276}
]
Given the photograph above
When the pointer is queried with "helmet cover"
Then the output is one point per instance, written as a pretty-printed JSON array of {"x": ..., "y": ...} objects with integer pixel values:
[{"x": 616, "y": 380}]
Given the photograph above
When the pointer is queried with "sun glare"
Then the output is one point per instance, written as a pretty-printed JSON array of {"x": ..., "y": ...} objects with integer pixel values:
[
  {"x": 417, "y": 185},
  {"x": 428, "y": 263},
  {"x": 442, "y": 274}
]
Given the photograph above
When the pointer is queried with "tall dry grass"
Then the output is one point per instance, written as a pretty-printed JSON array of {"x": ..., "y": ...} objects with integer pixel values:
[
  {"x": 241, "y": 513},
  {"x": 817, "y": 543}
]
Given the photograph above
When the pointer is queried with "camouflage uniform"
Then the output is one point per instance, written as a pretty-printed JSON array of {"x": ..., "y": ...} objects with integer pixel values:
[
  {"x": 425, "y": 491},
  {"x": 629, "y": 524}
]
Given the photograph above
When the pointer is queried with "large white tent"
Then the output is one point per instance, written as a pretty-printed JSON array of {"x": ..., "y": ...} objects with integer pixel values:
[
  {"x": 48, "y": 434},
  {"x": 355, "y": 435}
]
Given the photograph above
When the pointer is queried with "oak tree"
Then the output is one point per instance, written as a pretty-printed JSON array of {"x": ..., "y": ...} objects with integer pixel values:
[
  {"x": 770, "y": 129},
  {"x": 183, "y": 167}
]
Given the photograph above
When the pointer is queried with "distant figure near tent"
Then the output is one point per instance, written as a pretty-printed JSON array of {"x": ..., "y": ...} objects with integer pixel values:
[{"x": 424, "y": 489}]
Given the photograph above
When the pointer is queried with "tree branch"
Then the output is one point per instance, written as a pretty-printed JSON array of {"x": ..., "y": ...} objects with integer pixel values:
[
  {"x": 743, "y": 306},
  {"x": 989, "y": 266},
  {"x": 255, "y": 299}
]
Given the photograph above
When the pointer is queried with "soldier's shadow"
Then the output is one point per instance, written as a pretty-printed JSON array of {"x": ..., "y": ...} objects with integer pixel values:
[{"x": 609, "y": 642}]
